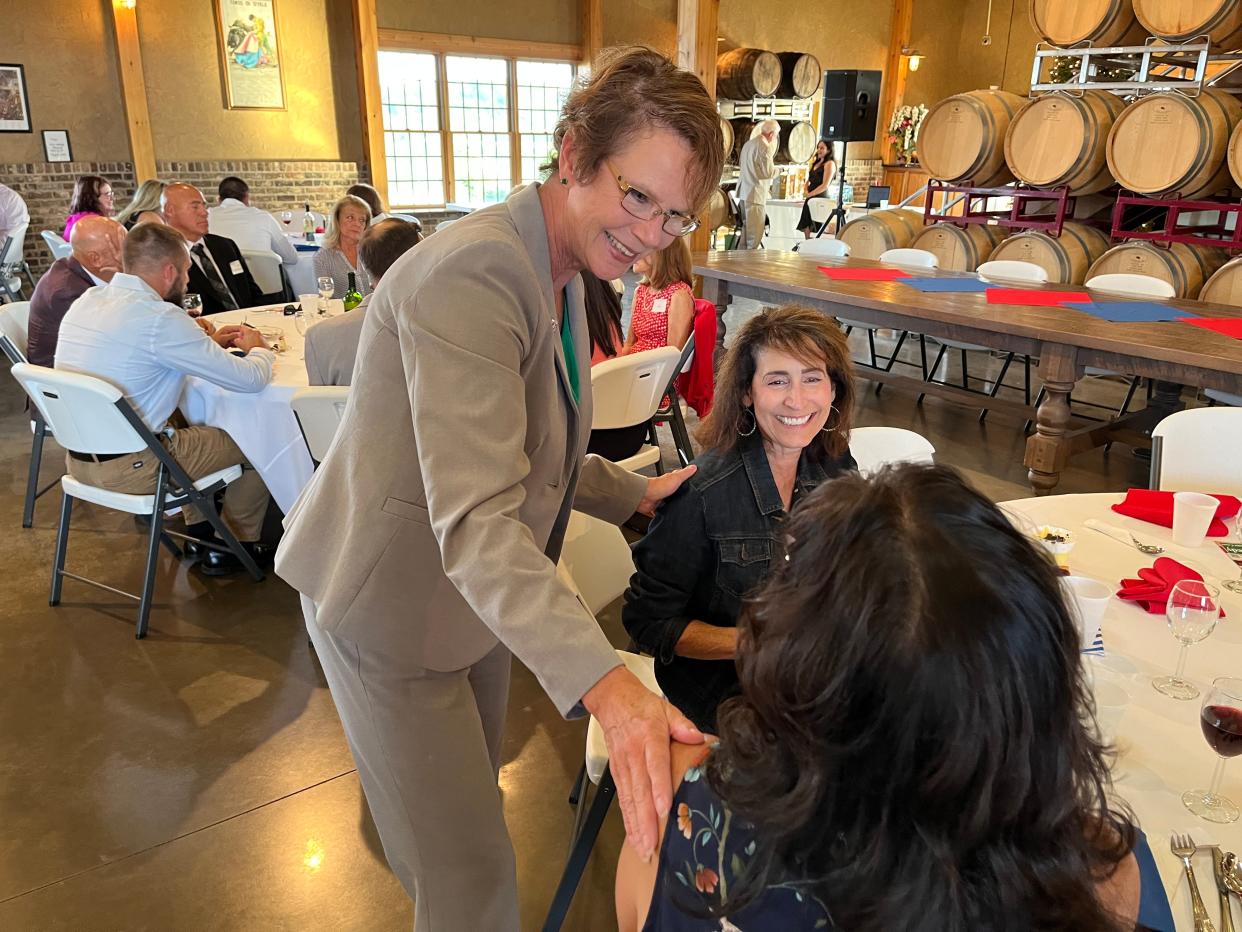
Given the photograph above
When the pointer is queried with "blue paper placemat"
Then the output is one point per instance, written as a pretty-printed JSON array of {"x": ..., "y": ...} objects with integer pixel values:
[
  {"x": 1129, "y": 311},
  {"x": 946, "y": 284}
]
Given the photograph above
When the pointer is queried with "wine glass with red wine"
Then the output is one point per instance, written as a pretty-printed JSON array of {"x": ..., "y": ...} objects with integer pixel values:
[{"x": 1221, "y": 720}]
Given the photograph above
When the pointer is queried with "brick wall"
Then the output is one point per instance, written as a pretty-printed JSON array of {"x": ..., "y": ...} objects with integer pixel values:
[
  {"x": 48, "y": 188},
  {"x": 861, "y": 173}
]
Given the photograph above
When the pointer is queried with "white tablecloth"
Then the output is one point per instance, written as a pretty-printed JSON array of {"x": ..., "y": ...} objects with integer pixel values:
[
  {"x": 1161, "y": 748},
  {"x": 302, "y": 275},
  {"x": 261, "y": 424}
]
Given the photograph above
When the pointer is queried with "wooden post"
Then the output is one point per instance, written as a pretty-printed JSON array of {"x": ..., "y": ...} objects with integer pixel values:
[
  {"x": 592, "y": 30},
  {"x": 370, "y": 101},
  {"x": 696, "y": 51},
  {"x": 134, "y": 91},
  {"x": 896, "y": 69}
]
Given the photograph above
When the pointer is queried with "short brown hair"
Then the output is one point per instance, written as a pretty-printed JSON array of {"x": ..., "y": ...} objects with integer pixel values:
[
  {"x": 383, "y": 244},
  {"x": 367, "y": 193},
  {"x": 671, "y": 264},
  {"x": 802, "y": 332},
  {"x": 630, "y": 91},
  {"x": 149, "y": 245}
]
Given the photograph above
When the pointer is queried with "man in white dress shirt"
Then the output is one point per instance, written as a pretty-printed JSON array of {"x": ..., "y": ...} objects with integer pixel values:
[
  {"x": 251, "y": 229},
  {"x": 14, "y": 218},
  {"x": 133, "y": 333},
  {"x": 758, "y": 168}
]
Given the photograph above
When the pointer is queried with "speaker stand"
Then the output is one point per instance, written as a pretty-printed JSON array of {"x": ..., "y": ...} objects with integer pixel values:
[{"x": 838, "y": 212}]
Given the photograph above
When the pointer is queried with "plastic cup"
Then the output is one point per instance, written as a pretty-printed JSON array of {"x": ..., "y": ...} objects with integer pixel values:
[
  {"x": 309, "y": 302},
  {"x": 1192, "y": 516},
  {"x": 1088, "y": 600}
]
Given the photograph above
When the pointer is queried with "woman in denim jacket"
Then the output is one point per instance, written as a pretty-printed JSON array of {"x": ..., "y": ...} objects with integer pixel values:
[{"x": 780, "y": 426}]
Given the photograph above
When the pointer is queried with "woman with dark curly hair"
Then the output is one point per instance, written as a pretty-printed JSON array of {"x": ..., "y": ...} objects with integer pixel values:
[
  {"x": 914, "y": 747},
  {"x": 91, "y": 195}
]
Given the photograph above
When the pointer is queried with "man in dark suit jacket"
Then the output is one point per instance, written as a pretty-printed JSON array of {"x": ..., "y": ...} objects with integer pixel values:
[
  {"x": 218, "y": 273},
  {"x": 97, "y": 243}
]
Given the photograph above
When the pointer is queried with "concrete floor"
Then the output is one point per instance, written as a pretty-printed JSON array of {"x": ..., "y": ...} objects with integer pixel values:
[{"x": 199, "y": 779}]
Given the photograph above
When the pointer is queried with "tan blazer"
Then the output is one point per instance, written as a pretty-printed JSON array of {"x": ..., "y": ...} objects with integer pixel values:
[{"x": 433, "y": 527}]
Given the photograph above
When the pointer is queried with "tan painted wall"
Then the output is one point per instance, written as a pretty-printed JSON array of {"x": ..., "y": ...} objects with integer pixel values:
[
  {"x": 936, "y": 31},
  {"x": 71, "y": 79},
  {"x": 529, "y": 20},
  {"x": 642, "y": 22},
  {"x": 182, "y": 62}
]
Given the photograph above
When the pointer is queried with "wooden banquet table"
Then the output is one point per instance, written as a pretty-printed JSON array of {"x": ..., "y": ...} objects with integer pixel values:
[
  {"x": 1160, "y": 747},
  {"x": 1065, "y": 341}
]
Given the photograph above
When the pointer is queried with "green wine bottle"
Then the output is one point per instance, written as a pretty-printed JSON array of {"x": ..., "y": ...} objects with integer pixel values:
[{"x": 353, "y": 297}]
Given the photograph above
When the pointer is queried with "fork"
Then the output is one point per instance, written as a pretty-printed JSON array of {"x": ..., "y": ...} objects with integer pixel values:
[{"x": 1183, "y": 847}]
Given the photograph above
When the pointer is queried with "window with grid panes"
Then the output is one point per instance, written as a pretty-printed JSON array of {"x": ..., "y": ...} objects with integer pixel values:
[
  {"x": 478, "y": 105},
  {"x": 411, "y": 128},
  {"x": 542, "y": 87}
]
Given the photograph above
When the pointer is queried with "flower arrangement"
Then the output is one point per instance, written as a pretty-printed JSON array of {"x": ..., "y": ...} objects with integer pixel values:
[{"x": 903, "y": 129}]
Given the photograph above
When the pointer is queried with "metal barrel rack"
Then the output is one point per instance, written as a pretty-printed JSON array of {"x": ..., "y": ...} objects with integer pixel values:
[
  {"x": 1175, "y": 229},
  {"x": 976, "y": 207}
]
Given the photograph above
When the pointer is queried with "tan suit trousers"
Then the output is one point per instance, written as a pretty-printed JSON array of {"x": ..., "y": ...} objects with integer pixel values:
[
  {"x": 200, "y": 451},
  {"x": 755, "y": 215},
  {"x": 427, "y": 746}
]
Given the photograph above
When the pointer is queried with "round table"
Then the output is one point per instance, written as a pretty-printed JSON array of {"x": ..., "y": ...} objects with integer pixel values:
[
  {"x": 1161, "y": 749},
  {"x": 262, "y": 424}
]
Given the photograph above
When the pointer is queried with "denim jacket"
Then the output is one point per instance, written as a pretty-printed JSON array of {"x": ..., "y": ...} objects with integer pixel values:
[{"x": 709, "y": 545}]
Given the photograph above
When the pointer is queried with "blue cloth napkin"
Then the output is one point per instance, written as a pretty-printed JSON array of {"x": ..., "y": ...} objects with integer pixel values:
[
  {"x": 946, "y": 284},
  {"x": 1154, "y": 911},
  {"x": 1129, "y": 311}
]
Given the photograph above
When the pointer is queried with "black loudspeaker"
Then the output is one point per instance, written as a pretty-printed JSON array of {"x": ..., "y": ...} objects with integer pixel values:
[{"x": 851, "y": 106}]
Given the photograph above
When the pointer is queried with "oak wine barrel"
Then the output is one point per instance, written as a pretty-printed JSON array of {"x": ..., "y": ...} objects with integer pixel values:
[
  {"x": 1184, "y": 267},
  {"x": 1062, "y": 140},
  {"x": 717, "y": 210},
  {"x": 797, "y": 144},
  {"x": 963, "y": 137},
  {"x": 1101, "y": 22},
  {"x": 1170, "y": 144},
  {"x": 1234, "y": 157},
  {"x": 726, "y": 133},
  {"x": 742, "y": 74},
  {"x": 743, "y": 130},
  {"x": 1184, "y": 20},
  {"x": 1065, "y": 258},
  {"x": 881, "y": 230},
  {"x": 800, "y": 74},
  {"x": 1225, "y": 285},
  {"x": 960, "y": 249}
]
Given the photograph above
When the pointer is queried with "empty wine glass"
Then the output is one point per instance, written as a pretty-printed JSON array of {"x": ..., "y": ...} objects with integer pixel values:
[
  {"x": 1221, "y": 721},
  {"x": 193, "y": 304},
  {"x": 326, "y": 286},
  {"x": 299, "y": 321},
  {"x": 1192, "y": 611}
]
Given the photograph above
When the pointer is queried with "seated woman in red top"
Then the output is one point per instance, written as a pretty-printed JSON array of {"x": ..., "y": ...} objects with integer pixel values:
[{"x": 663, "y": 312}]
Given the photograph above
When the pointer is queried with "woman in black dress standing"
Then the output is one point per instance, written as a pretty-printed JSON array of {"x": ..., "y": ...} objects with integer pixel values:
[{"x": 823, "y": 170}]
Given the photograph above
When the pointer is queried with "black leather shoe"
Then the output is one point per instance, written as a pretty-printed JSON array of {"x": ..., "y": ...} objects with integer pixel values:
[{"x": 224, "y": 563}]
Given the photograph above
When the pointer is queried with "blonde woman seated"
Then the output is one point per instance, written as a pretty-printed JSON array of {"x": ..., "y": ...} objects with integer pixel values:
[{"x": 339, "y": 255}]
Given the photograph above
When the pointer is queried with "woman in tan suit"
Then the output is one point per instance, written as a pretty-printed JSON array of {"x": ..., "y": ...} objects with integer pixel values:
[{"x": 425, "y": 546}]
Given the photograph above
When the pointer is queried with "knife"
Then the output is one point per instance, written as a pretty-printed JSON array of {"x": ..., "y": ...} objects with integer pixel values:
[{"x": 1226, "y": 916}]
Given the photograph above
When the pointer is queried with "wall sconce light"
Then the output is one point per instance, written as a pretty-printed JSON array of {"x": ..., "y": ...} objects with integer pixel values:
[
  {"x": 915, "y": 58},
  {"x": 127, "y": 4}
]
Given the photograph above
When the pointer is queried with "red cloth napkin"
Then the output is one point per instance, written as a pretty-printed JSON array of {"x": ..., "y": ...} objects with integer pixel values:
[
  {"x": 1229, "y": 326},
  {"x": 1154, "y": 584},
  {"x": 844, "y": 274},
  {"x": 1033, "y": 298},
  {"x": 1156, "y": 507}
]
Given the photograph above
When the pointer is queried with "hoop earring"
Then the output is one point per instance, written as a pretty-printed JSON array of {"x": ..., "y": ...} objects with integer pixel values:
[
  {"x": 832, "y": 409},
  {"x": 753, "y": 425}
]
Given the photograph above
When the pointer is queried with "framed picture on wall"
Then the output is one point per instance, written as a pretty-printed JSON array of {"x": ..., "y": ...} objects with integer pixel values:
[
  {"x": 14, "y": 103},
  {"x": 250, "y": 52},
  {"x": 56, "y": 146}
]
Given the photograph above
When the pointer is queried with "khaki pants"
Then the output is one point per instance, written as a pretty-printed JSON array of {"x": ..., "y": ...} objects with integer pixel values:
[
  {"x": 755, "y": 215},
  {"x": 427, "y": 745},
  {"x": 200, "y": 451}
]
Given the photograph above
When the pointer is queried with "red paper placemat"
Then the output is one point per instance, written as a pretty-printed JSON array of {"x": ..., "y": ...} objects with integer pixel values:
[
  {"x": 1229, "y": 326},
  {"x": 863, "y": 275},
  {"x": 1033, "y": 298}
]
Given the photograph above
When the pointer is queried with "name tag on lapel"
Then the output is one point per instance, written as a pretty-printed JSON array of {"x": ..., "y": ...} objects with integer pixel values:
[
  {"x": 659, "y": 306},
  {"x": 235, "y": 267}
]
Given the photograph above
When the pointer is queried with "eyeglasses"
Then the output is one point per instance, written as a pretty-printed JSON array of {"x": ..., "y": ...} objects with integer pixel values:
[{"x": 640, "y": 206}]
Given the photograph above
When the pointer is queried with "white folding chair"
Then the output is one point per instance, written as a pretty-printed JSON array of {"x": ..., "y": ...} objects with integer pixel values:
[
  {"x": 1198, "y": 450},
  {"x": 821, "y": 210},
  {"x": 264, "y": 266},
  {"x": 89, "y": 416},
  {"x": 829, "y": 248},
  {"x": 627, "y": 390},
  {"x": 910, "y": 258},
  {"x": 1134, "y": 286},
  {"x": 1013, "y": 271},
  {"x": 14, "y": 330},
  {"x": 443, "y": 225},
  {"x": 824, "y": 246},
  {"x": 875, "y": 447},
  {"x": 1223, "y": 398},
  {"x": 56, "y": 244},
  {"x": 319, "y": 411},
  {"x": 13, "y": 265}
]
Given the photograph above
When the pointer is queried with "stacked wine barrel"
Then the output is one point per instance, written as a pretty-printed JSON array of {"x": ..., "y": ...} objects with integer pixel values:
[
  {"x": 744, "y": 74},
  {"x": 881, "y": 230},
  {"x": 959, "y": 249},
  {"x": 1065, "y": 258},
  {"x": 795, "y": 145},
  {"x": 1184, "y": 267}
]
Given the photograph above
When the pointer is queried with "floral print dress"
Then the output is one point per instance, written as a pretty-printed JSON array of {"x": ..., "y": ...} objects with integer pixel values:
[{"x": 706, "y": 848}]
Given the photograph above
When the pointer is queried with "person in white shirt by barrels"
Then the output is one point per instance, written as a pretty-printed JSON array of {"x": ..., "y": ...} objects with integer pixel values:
[{"x": 758, "y": 168}]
